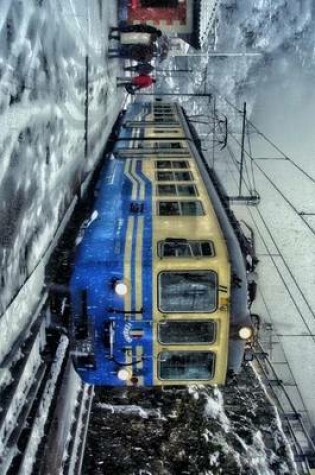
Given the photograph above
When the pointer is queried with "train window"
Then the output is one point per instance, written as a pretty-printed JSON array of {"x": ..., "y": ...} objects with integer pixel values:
[
  {"x": 186, "y": 332},
  {"x": 164, "y": 117},
  {"x": 167, "y": 190},
  {"x": 184, "y": 248},
  {"x": 162, "y": 108},
  {"x": 191, "y": 208},
  {"x": 193, "y": 291},
  {"x": 174, "y": 176},
  {"x": 168, "y": 145},
  {"x": 169, "y": 208},
  {"x": 162, "y": 164},
  {"x": 180, "y": 164},
  {"x": 183, "y": 176},
  {"x": 165, "y": 176},
  {"x": 186, "y": 365},
  {"x": 166, "y": 130},
  {"x": 186, "y": 190},
  {"x": 184, "y": 208},
  {"x": 166, "y": 113},
  {"x": 176, "y": 190},
  {"x": 174, "y": 249}
]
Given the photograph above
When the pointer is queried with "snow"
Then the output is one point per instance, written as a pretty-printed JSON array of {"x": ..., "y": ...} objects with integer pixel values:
[
  {"x": 192, "y": 430},
  {"x": 42, "y": 117},
  {"x": 214, "y": 409},
  {"x": 37, "y": 431},
  {"x": 130, "y": 409}
]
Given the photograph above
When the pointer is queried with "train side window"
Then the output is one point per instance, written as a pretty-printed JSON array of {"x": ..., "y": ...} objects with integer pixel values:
[
  {"x": 206, "y": 248},
  {"x": 165, "y": 176},
  {"x": 184, "y": 248},
  {"x": 180, "y": 164},
  {"x": 186, "y": 332},
  {"x": 164, "y": 119},
  {"x": 163, "y": 164},
  {"x": 191, "y": 208},
  {"x": 163, "y": 109},
  {"x": 168, "y": 131},
  {"x": 166, "y": 190},
  {"x": 183, "y": 176},
  {"x": 194, "y": 291},
  {"x": 186, "y": 365},
  {"x": 184, "y": 208},
  {"x": 168, "y": 145},
  {"x": 176, "y": 190},
  {"x": 174, "y": 249},
  {"x": 169, "y": 208},
  {"x": 186, "y": 190}
]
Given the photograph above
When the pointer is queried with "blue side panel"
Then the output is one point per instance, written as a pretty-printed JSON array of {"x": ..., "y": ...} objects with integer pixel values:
[{"x": 112, "y": 332}]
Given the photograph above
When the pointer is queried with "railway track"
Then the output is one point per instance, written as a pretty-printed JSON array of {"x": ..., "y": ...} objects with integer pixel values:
[
  {"x": 295, "y": 423},
  {"x": 29, "y": 376},
  {"x": 44, "y": 406}
]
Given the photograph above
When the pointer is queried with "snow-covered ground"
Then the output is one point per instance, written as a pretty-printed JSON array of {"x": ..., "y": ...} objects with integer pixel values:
[{"x": 43, "y": 49}]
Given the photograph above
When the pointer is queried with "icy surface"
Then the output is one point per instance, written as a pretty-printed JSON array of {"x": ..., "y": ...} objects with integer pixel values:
[{"x": 43, "y": 51}]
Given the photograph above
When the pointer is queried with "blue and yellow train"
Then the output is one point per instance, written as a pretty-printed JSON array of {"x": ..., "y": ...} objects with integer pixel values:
[{"x": 159, "y": 291}]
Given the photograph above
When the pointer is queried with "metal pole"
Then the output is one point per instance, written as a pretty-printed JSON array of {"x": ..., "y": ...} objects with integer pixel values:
[{"x": 242, "y": 150}]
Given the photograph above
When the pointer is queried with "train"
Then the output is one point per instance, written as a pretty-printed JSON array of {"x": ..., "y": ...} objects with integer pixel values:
[{"x": 159, "y": 288}]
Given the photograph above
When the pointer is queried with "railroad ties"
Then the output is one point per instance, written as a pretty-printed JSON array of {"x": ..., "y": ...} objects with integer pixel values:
[{"x": 44, "y": 405}]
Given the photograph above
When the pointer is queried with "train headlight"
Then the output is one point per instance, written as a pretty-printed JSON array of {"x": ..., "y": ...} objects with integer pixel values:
[
  {"x": 245, "y": 333},
  {"x": 120, "y": 288},
  {"x": 124, "y": 374}
]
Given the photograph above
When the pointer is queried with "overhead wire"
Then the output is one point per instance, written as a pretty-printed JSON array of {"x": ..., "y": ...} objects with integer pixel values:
[
  {"x": 259, "y": 132},
  {"x": 285, "y": 156},
  {"x": 280, "y": 254},
  {"x": 277, "y": 188}
]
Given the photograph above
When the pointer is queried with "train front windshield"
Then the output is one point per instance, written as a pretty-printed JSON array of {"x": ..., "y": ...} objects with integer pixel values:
[
  {"x": 186, "y": 332},
  {"x": 186, "y": 365},
  {"x": 187, "y": 291}
]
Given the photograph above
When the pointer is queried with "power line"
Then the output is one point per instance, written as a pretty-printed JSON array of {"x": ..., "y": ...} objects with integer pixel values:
[
  {"x": 277, "y": 188},
  {"x": 284, "y": 262},
  {"x": 259, "y": 132},
  {"x": 288, "y": 269},
  {"x": 282, "y": 153}
]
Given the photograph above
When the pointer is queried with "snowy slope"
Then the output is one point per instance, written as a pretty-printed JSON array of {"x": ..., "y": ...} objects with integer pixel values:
[{"x": 43, "y": 49}]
